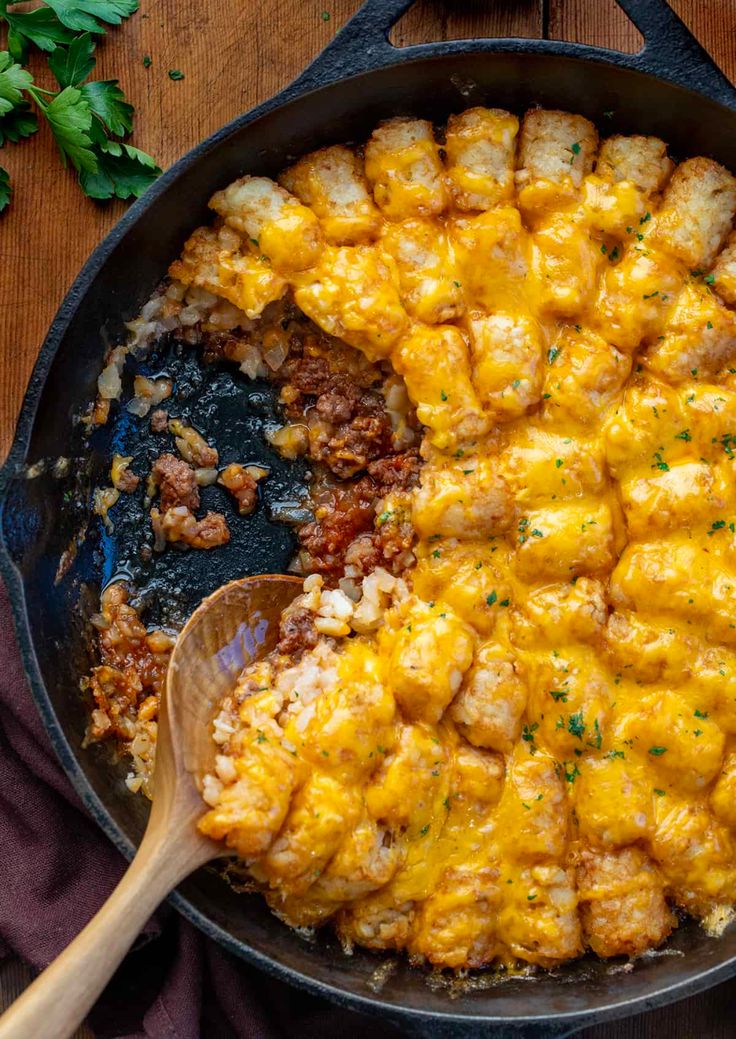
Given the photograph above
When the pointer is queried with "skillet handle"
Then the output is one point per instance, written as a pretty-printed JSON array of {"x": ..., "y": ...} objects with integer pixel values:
[{"x": 670, "y": 50}]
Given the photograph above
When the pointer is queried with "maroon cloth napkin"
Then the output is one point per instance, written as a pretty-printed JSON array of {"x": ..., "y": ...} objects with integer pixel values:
[{"x": 56, "y": 870}]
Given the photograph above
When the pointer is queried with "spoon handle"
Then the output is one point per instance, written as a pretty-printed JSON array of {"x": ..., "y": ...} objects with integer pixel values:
[{"x": 59, "y": 999}]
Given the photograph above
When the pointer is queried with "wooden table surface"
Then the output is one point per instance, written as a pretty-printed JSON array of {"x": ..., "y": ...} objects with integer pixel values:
[{"x": 235, "y": 53}]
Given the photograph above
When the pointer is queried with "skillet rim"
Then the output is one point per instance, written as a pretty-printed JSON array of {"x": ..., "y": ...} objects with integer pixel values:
[{"x": 557, "y": 1025}]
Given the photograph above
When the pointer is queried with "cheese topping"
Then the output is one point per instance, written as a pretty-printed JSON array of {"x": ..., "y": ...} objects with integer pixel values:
[{"x": 535, "y": 753}]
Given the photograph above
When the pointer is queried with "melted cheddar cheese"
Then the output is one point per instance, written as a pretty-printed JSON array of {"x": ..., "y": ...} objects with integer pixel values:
[{"x": 536, "y": 752}]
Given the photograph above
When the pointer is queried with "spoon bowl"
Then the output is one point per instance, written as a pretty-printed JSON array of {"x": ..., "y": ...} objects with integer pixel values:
[{"x": 236, "y": 625}]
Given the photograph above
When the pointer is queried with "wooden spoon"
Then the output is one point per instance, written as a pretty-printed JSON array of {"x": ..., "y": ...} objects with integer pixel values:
[{"x": 230, "y": 628}]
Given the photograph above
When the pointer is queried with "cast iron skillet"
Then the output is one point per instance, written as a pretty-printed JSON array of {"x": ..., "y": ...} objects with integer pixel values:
[{"x": 672, "y": 89}]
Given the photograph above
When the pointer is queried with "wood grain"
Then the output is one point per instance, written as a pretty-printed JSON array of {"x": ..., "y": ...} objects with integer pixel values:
[{"x": 234, "y": 53}]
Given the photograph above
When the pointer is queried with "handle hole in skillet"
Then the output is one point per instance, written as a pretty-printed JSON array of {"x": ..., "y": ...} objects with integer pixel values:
[{"x": 602, "y": 24}]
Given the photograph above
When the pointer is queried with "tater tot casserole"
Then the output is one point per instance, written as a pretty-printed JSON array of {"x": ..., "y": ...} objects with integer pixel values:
[{"x": 499, "y": 728}]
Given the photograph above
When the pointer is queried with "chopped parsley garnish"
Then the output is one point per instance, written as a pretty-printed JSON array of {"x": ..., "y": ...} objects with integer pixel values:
[
  {"x": 176, "y": 74},
  {"x": 553, "y": 355},
  {"x": 527, "y": 733},
  {"x": 576, "y": 725},
  {"x": 657, "y": 752},
  {"x": 492, "y": 598}
]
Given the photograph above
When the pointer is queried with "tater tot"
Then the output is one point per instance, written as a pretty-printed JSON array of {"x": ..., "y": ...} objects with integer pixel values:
[
  {"x": 429, "y": 277},
  {"x": 353, "y": 294},
  {"x": 698, "y": 337},
  {"x": 533, "y": 812},
  {"x": 280, "y": 227},
  {"x": 641, "y": 160},
  {"x": 322, "y": 813},
  {"x": 622, "y": 903},
  {"x": 695, "y": 854},
  {"x": 556, "y": 150},
  {"x": 628, "y": 172},
  {"x": 489, "y": 707},
  {"x": 435, "y": 364},
  {"x": 456, "y": 926},
  {"x": 540, "y": 465},
  {"x": 480, "y": 147},
  {"x": 684, "y": 748},
  {"x": 697, "y": 209},
  {"x": 462, "y": 500},
  {"x": 539, "y": 919},
  {"x": 507, "y": 362},
  {"x": 584, "y": 376},
  {"x": 404, "y": 786},
  {"x": 564, "y": 540},
  {"x": 430, "y": 655},
  {"x": 215, "y": 261},
  {"x": 682, "y": 495},
  {"x": 613, "y": 801},
  {"x": 724, "y": 272},
  {"x": 635, "y": 297},
  {"x": 565, "y": 262},
  {"x": 402, "y": 164},
  {"x": 677, "y": 576},
  {"x": 332, "y": 183}
]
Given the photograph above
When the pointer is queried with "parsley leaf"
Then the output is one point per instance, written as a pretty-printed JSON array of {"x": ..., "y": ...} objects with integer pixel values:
[
  {"x": 88, "y": 15},
  {"x": 40, "y": 27},
  {"x": 20, "y": 122},
  {"x": 122, "y": 172},
  {"x": 82, "y": 116},
  {"x": 71, "y": 65},
  {"x": 14, "y": 79},
  {"x": 70, "y": 119},
  {"x": 107, "y": 101},
  {"x": 5, "y": 189}
]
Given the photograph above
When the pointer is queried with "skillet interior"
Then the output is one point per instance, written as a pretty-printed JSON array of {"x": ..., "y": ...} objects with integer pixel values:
[{"x": 38, "y": 522}]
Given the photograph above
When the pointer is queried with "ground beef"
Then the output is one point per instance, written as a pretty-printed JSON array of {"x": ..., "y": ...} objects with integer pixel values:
[
  {"x": 242, "y": 486},
  {"x": 297, "y": 632},
  {"x": 127, "y": 481},
  {"x": 159, "y": 421},
  {"x": 177, "y": 483},
  {"x": 342, "y": 512},
  {"x": 133, "y": 668},
  {"x": 396, "y": 471},
  {"x": 180, "y": 524},
  {"x": 346, "y": 513},
  {"x": 347, "y": 448}
]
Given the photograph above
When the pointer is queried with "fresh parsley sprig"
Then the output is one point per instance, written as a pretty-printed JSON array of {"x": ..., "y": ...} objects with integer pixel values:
[{"x": 88, "y": 119}]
